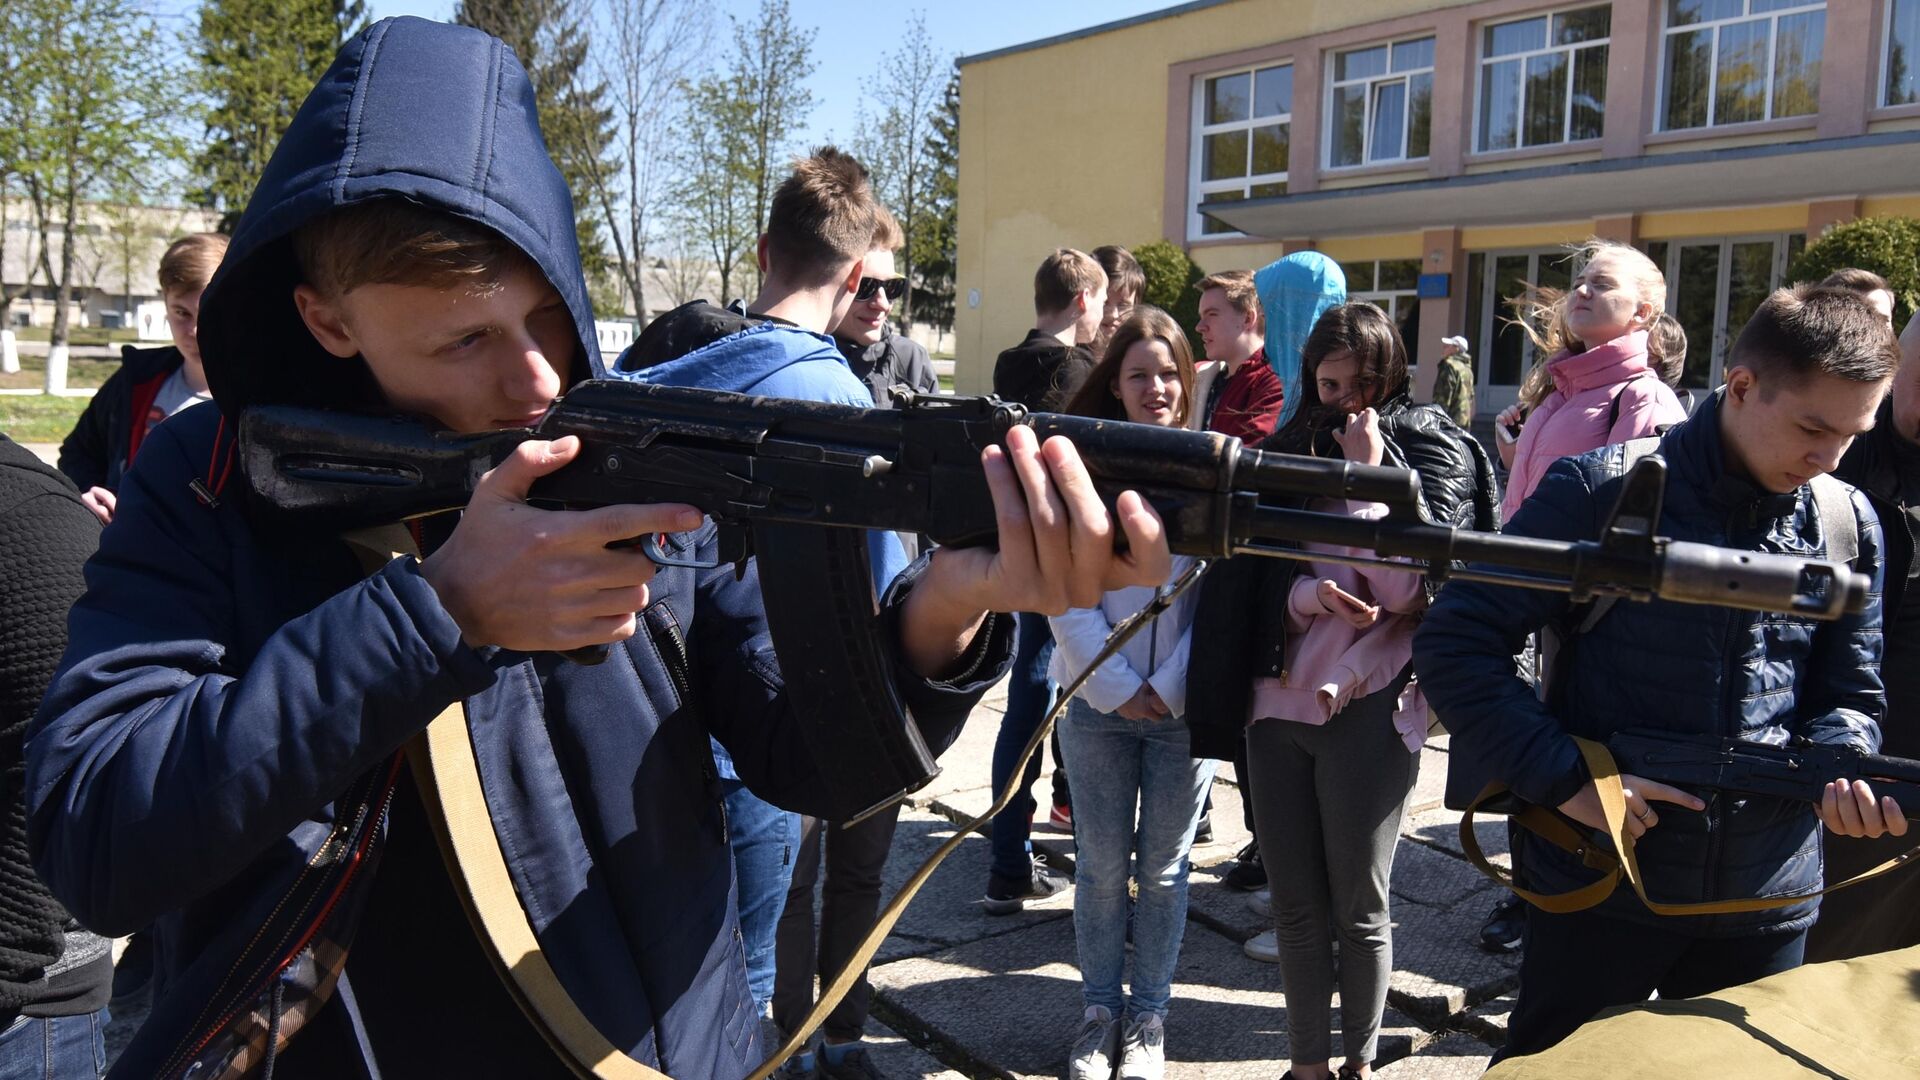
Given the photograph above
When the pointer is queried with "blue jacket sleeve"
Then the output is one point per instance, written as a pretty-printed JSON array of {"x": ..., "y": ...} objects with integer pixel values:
[
  {"x": 1464, "y": 648},
  {"x": 1842, "y": 698},
  {"x": 161, "y": 763}
]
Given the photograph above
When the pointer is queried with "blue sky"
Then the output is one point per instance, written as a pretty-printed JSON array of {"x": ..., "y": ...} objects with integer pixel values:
[{"x": 853, "y": 36}]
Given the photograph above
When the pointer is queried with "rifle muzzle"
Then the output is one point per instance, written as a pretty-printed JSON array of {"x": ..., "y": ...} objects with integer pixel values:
[{"x": 1703, "y": 574}]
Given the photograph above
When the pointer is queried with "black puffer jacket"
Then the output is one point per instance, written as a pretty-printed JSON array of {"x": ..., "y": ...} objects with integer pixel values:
[{"x": 1243, "y": 601}]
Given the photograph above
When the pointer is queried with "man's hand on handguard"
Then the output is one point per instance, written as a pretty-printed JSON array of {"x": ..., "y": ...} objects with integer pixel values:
[
  {"x": 535, "y": 580},
  {"x": 1056, "y": 552},
  {"x": 1850, "y": 809}
]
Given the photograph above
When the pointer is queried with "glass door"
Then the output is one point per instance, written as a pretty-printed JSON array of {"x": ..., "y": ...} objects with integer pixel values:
[
  {"x": 1713, "y": 288},
  {"x": 1495, "y": 279}
]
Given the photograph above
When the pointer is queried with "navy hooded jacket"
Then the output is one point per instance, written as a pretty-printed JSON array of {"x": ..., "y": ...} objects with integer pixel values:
[
  {"x": 1688, "y": 668},
  {"x": 231, "y": 703}
]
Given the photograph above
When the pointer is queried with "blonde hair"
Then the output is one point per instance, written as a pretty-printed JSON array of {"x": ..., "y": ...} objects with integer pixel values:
[
  {"x": 1237, "y": 286},
  {"x": 1667, "y": 348},
  {"x": 1543, "y": 310}
]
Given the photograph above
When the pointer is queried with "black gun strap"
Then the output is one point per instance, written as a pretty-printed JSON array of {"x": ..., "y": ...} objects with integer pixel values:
[{"x": 1621, "y": 862}]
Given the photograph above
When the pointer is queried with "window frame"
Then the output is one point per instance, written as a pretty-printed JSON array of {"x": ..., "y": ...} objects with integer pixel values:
[
  {"x": 1668, "y": 31},
  {"x": 1882, "y": 99},
  {"x": 1486, "y": 62},
  {"x": 1334, "y": 84},
  {"x": 1197, "y": 186}
]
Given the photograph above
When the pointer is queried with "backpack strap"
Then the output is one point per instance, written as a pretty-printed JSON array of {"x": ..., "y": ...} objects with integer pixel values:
[{"x": 1833, "y": 501}]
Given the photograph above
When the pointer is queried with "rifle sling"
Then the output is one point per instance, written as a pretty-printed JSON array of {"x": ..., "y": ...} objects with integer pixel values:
[{"x": 1613, "y": 804}]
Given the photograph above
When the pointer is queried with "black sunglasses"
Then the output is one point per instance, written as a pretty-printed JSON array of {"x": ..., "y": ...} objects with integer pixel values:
[{"x": 895, "y": 288}]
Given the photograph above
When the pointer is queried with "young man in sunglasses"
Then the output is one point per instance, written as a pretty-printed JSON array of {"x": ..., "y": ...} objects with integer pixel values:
[{"x": 878, "y": 355}]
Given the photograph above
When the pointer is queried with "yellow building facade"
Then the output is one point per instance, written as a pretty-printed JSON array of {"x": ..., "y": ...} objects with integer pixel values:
[{"x": 1442, "y": 152}]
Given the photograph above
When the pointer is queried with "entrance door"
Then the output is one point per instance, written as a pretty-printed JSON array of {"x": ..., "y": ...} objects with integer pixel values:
[
  {"x": 1713, "y": 288},
  {"x": 1505, "y": 352}
]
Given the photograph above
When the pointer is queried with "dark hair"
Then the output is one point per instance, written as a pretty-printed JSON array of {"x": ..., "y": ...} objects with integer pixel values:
[
  {"x": 190, "y": 262},
  {"x": 823, "y": 217},
  {"x": 1807, "y": 330},
  {"x": 1667, "y": 348},
  {"x": 1362, "y": 329},
  {"x": 1123, "y": 271},
  {"x": 1062, "y": 276},
  {"x": 1864, "y": 282},
  {"x": 392, "y": 241},
  {"x": 1096, "y": 398}
]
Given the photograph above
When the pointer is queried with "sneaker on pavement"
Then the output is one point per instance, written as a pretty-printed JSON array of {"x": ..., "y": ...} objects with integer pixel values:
[
  {"x": 1203, "y": 832},
  {"x": 803, "y": 1065},
  {"x": 854, "y": 1063},
  {"x": 1263, "y": 946},
  {"x": 1260, "y": 902},
  {"x": 1004, "y": 896},
  {"x": 1248, "y": 873},
  {"x": 1061, "y": 818},
  {"x": 1505, "y": 925},
  {"x": 1143, "y": 1049},
  {"x": 1096, "y": 1048}
]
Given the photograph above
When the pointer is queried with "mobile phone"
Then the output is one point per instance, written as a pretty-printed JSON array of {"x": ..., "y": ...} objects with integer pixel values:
[
  {"x": 1507, "y": 432},
  {"x": 1350, "y": 600}
]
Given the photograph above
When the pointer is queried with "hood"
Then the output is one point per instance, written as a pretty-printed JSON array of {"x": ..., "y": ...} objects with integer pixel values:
[
  {"x": 740, "y": 361},
  {"x": 1623, "y": 358},
  {"x": 1294, "y": 292},
  {"x": 442, "y": 115}
]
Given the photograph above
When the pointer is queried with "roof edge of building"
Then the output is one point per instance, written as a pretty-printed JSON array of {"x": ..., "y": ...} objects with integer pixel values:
[{"x": 1102, "y": 28}]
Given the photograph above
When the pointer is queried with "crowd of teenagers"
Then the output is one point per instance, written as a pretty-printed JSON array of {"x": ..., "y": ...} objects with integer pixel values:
[{"x": 216, "y": 721}]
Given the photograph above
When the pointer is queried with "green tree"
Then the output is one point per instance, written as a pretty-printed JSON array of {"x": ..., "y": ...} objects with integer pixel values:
[
  {"x": 772, "y": 60},
  {"x": 1888, "y": 246},
  {"x": 258, "y": 60},
  {"x": 894, "y": 144},
  {"x": 934, "y": 249},
  {"x": 96, "y": 112},
  {"x": 550, "y": 38},
  {"x": 715, "y": 195},
  {"x": 1172, "y": 285}
]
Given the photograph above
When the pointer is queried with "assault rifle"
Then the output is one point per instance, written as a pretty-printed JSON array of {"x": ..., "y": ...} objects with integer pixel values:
[
  {"x": 1798, "y": 771},
  {"x": 772, "y": 472}
]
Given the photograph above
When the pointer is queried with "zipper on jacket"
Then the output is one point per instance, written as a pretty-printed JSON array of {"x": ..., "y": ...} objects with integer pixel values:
[{"x": 665, "y": 631}]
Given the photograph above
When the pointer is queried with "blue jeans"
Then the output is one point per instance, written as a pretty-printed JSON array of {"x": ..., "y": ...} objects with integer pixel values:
[
  {"x": 54, "y": 1048},
  {"x": 1029, "y": 692},
  {"x": 1114, "y": 763},
  {"x": 764, "y": 839}
]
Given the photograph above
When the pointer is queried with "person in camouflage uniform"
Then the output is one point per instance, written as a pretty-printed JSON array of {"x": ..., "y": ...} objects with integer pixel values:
[{"x": 1453, "y": 386}]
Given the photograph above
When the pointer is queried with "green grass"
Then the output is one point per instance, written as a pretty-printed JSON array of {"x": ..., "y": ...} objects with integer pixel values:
[
  {"x": 81, "y": 372},
  {"x": 39, "y": 418},
  {"x": 80, "y": 335}
]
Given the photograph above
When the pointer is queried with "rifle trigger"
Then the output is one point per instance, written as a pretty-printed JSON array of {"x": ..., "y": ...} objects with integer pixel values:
[{"x": 652, "y": 548}]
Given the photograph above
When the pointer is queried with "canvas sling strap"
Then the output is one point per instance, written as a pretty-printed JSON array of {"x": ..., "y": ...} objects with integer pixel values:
[
  {"x": 1621, "y": 862},
  {"x": 448, "y": 777}
]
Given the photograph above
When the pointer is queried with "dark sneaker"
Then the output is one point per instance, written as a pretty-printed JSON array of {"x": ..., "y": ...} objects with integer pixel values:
[
  {"x": 1203, "y": 832},
  {"x": 1505, "y": 925},
  {"x": 855, "y": 1064},
  {"x": 1248, "y": 873},
  {"x": 1006, "y": 896}
]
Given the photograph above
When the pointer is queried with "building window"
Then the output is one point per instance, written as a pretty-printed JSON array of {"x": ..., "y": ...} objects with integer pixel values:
[
  {"x": 1714, "y": 285},
  {"x": 1393, "y": 286},
  {"x": 1381, "y": 104},
  {"x": 1543, "y": 80},
  {"x": 1738, "y": 61},
  {"x": 1902, "y": 85},
  {"x": 1243, "y": 123}
]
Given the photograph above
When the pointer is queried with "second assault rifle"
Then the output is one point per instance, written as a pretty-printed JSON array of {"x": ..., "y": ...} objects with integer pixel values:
[{"x": 794, "y": 483}]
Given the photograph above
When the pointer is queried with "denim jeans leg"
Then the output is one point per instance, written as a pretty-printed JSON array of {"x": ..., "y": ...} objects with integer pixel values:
[
  {"x": 1028, "y": 695},
  {"x": 1173, "y": 785},
  {"x": 54, "y": 1048},
  {"x": 1103, "y": 762},
  {"x": 764, "y": 839}
]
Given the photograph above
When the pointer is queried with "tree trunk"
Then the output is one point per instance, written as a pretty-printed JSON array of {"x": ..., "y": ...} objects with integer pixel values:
[{"x": 62, "y": 300}]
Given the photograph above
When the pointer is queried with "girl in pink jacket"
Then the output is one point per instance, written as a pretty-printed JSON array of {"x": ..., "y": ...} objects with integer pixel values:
[{"x": 1600, "y": 387}]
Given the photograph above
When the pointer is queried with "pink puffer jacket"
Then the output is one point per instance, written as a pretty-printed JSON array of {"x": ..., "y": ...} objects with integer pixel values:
[{"x": 1574, "y": 418}]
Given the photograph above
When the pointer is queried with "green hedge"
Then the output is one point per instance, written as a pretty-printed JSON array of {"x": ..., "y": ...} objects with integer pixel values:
[
  {"x": 1171, "y": 281},
  {"x": 1888, "y": 246}
]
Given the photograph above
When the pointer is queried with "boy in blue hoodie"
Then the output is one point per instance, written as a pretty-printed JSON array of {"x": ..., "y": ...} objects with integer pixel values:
[{"x": 220, "y": 755}]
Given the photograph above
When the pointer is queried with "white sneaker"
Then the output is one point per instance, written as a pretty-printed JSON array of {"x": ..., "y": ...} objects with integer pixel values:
[
  {"x": 1143, "y": 1049},
  {"x": 1264, "y": 947},
  {"x": 1096, "y": 1048},
  {"x": 1261, "y": 902}
]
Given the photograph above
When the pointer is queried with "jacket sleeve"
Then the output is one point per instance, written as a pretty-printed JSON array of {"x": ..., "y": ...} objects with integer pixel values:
[
  {"x": 1843, "y": 699},
  {"x": 1263, "y": 410},
  {"x": 1464, "y": 648},
  {"x": 1077, "y": 638},
  {"x": 160, "y": 764},
  {"x": 86, "y": 450},
  {"x": 919, "y": 372},
  {"x": 1169, "y": 680},
  {"x": 748, "y": 710}
]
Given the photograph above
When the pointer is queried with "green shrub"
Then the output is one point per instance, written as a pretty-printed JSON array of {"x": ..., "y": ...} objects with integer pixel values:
[
  {"x": 1171, "y": 281},
  {"x": 1888, "y": 246}
]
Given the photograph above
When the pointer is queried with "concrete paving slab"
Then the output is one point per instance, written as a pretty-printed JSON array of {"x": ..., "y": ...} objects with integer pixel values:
[
  {"x": 897, "y": 1058},
  {"x": 968, "y": 763},
  {"x": 1440, "y": 827},
  {"x": 947, "y": 911},
  {"x": 1488, "y": 1020},
  {"x": 1437, "y": 878},
  {"x": 1229, "y": 827},
  {"x": 1438, "y": 967},
  {"x": 1456, "y": 1057},
  {"x": 1431, "y": 785},
  {"x": 1224, "y": 910}
]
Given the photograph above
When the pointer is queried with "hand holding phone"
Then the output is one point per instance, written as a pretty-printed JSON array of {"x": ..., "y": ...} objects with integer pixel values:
[{"x": 1340, "y": 602}]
